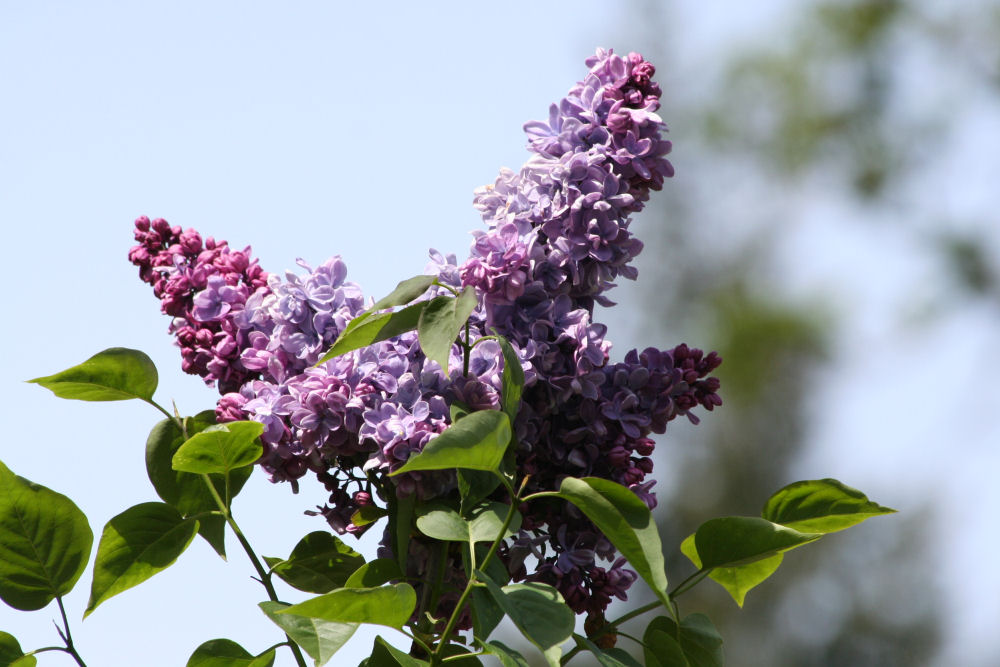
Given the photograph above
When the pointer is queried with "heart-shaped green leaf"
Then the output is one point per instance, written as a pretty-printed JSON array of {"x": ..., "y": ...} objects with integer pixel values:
[
  {"x": 319, "y": 563},
  {"x": 477, "y": 442},
  {"x": 319, "y": 638},
  {"x": 135, "y": 545},
  {"x": 390, "y": 605},
  {"x": 220, "y": 448},
  {"x": 116, "y": 374},
  {"x": 820, "y": 506},
  {"x": 45, "y": 543}
]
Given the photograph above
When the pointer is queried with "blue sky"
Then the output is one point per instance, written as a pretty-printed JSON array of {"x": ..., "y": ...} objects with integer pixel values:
[{"x": 305, "y": 130}]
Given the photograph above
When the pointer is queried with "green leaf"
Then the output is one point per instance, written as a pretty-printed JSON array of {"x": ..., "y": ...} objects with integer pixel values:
[
  {"x": 508, "y": 657},
  {"x": 374, "y": 573},
  {"x": 662, "y": 650},
  {"x": 737, "y": 540},
  {"x": 477, "y": 442},
  {"x": 625, "y": 520},
  {"x": 474, "y": 486},
  {"x": 45, "y": 543},
  {"x": 390, "y": 605},
  {"x": 405, "y": 292},
  {"x": 367, "y": 514},
  {"x": 440, "y": 323},
  {"x": 385, "y": 654},
  {"x": 320, "y": 639},
  {"x": 738, "y": 581},
  {"x": 220, "y": 448},
  {"x": 486, "y": 613},
  {"x": 820, "y": 506},
  {"x": 10, "y": 652},
  {"x": 376, "y": 328},
  {"x": 227, "y": 653},
  {"x": 467, "y": 659},
  {"x": 512, "y": 380},
  {"x": 441, "y": 522},
  {"x": 538, "y": 611},
  {"x": 319, "y": 563},
  {"x": 184, "y": 490},
  {"x": 609, "y": 658},
  {"x": 116, "y": 374},
  {"x": 700, "y": 643},
  {"x": 135, "y": 545}
]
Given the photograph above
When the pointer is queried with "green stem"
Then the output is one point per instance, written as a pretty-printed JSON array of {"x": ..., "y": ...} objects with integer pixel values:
[
  {"x": 265, "y": 576},
  {"x": 689, "y": 583},
  {"x": 68, "y": 637},
  {"x": 160, "y": 408},
  {"x": 453, "y": 620}
]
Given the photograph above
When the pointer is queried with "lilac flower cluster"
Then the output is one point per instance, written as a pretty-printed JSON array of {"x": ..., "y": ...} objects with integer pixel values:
[
  {"x": 557, "y": 237},
  {"x": 201, "y": 284}
]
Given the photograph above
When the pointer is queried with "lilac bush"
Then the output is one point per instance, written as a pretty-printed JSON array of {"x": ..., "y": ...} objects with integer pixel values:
[{"x": 557, "y": 236}]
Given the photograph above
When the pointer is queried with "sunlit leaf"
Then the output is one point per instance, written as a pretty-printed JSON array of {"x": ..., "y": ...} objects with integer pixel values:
[
  {"x": 477, "y": 442},
  {"x": 405, "y": 292},
  {"x": 11, "y": 653},
  {"x": 374, "y": 573},
  {"x": 376, "y": 328},
  {"x": 820, "y": 506},
  {"x": 440, "y": 323},
  {"x": 116, "y": 374},
  {"x": 483, "y": 525},
  {"x": 227, "y": 653},
  {"x": 45, "y": 543},
  {"x": 319, "y": 563},
  {"x": 135, "y": 545},
  {"x": 320, "y": 639},
  {"x": 220, "y": 448},
  {"x": 390, "y": 605}
]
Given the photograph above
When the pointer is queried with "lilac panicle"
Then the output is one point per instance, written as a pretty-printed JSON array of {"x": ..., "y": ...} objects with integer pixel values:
[{"x": 557, "y": 237}]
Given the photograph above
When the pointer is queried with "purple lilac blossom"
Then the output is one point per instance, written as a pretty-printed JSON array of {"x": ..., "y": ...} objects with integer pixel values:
[{"x": 557, "y": 237}]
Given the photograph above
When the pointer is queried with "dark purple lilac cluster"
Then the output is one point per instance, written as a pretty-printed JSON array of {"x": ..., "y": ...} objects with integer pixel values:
[
  {"x": 557, "y": 237},
  {"x": 202, "y": 285}
]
